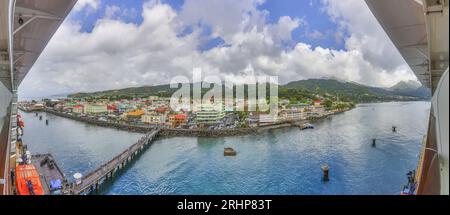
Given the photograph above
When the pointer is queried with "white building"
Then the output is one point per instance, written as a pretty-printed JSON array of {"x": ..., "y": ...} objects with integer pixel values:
[
  {"x": 95, "y": 108},
  {"x": 209, "y": 114},
  {"x": 292, "y": 115},
  {"x": 153, "y": 118},
  {"x": 267, "y": 118}
]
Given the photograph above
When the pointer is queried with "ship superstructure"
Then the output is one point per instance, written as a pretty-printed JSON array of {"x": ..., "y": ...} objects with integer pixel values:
[
  {"x": 419, "y": 30},
  {"x": 25, "y": 29}
]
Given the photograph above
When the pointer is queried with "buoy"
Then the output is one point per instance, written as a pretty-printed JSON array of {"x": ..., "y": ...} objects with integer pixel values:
[
  {"x": 374, "y": 142},
  {"x": 325, "y": 170}
]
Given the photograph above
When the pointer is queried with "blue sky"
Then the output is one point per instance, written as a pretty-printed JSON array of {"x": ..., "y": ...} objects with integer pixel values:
[
  {"x": 150, "y": 42},
  {"x": 309, "y": 11},
  {"x": 312, "y": 12}
]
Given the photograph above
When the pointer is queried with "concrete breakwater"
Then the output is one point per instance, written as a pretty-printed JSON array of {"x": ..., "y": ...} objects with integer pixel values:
[
  {"x": 167, "y": 132},
  {"x": 315, "y": 119},
  {"x": 207, "y": 133},
  {"x": 170, "y": 132},
  {"x": 93, "y": 121}
]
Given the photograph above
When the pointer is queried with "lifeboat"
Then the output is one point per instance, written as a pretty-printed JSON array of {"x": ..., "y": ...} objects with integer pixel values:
[
  {"x": 28, "y": 181},
  {"x": 20, "y": 121}
]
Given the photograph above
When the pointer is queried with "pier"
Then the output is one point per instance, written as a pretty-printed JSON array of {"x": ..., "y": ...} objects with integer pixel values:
[{"x": 90, "y": 183}]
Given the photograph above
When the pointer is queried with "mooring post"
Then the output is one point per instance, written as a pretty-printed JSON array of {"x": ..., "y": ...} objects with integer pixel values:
[
  {"x": 96, "y": 187},
  {"x": 325, "y": 170}
]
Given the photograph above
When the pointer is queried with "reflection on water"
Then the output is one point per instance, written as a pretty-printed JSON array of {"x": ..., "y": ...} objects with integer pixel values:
[
  {"x": 284, "y": 161},
  {"x": 76, "y": 146}
]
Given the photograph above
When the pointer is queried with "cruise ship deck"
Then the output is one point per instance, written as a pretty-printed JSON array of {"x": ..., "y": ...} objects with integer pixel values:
[
  {"x": 25, "y": 29},
  {"x": 418, "y": 28}
]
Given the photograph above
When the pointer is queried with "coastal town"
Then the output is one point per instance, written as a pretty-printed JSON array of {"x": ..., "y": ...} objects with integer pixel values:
[
  {"x": 155, "y": 111},
  {"x": 154, "y": 116}
]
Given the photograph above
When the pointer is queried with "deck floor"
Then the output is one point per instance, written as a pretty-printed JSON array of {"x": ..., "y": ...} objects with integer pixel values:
[{"x": 46, "y": 173}]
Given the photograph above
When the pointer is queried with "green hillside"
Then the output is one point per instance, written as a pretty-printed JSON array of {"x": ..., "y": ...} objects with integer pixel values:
[{"x": 297, "y": 91}]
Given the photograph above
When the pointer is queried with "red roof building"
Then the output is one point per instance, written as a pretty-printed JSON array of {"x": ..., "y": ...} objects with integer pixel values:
[
  {"x": 161, "y": 110},
  {"x": 78, "y": 109},
  {"x": 177, "y": 120},
  {"x": 111, "y": 107}
]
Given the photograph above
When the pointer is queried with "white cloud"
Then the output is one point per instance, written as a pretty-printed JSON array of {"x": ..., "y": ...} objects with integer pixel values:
[
  {"x": 366, "y": 34},
  {"x": 81, "y": 4},
  {"x": 283, "y": 29},
  {"x": 111, "y": 11},
  {"x": 118, "y": 54},
  {"x": 224, "y": 17},
  {"x": 316, "y": 35}
]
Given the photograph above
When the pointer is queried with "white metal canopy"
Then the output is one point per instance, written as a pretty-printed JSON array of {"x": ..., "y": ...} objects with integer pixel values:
[
  {"x": 412, "y": 25},
  {"x": 40, "y": 20},
  {"x": 26, "y": 26}
]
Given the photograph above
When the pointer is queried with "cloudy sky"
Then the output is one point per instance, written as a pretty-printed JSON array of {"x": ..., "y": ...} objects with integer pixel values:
[{"x": 106, "y": 44}]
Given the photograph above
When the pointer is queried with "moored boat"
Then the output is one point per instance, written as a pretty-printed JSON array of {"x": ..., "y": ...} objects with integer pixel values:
[{"x": 307, "y": 126}]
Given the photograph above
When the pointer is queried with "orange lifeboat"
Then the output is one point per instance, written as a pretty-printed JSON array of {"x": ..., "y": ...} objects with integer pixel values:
[
  {"x": 28, "y": 181},
  {"x": 20, "y": 120}
]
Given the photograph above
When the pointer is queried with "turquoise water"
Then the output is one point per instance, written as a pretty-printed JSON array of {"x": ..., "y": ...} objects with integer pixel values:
[{"x": 284, "y": 161}]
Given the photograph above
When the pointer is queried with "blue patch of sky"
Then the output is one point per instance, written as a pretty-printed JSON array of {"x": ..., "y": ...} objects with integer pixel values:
[
  {"x": 212, "y": 43},
  {"x": 209, "y": 41},
  {"x": 186, "y": 31},
  {"x": 175, "y": 4},
  {"x": 308, "y": 10},
  {"x": 311, "y": 12},
  {"x": 130, "y": 12}
]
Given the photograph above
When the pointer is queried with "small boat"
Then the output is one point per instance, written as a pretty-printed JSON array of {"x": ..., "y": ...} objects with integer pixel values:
[
  {"x": 27, "y": 180},
  {"x": 229, "y": 152},
  {"x": 307, "y": 126}
]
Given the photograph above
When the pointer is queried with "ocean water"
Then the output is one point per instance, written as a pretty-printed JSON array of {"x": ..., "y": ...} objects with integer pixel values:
[{"x": 283, "y": 161}]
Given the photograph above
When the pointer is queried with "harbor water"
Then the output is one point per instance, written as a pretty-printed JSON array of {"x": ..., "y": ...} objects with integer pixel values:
[{"x": 282, "y": 161}]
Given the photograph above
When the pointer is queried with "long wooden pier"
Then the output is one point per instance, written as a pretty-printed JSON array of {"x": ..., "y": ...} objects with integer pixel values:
[{"x": 90, "y": 183}]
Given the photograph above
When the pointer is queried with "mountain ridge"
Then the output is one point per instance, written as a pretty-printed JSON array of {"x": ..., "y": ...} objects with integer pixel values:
[{"x": 350, "y": 91}]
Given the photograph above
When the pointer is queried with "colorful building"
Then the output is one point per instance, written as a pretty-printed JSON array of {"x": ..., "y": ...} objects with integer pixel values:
[
  {"x": 209, "y": 114},
  {"x": 111, "y": 108},
  {"x": 95, "y": 108},
  {"x": 161, "y": 110},
  {"x": 77, "y": 109},
  {"x": 318, "y": 103},
  {"x": 135, "y": 114},
  {"x": 177, "y": 120},
  {"x": 154, "y": 119},
  {"x": 152, "y": 98},
  {"x": 267, "y": 119},
  {"x": 292, "y": 115}
]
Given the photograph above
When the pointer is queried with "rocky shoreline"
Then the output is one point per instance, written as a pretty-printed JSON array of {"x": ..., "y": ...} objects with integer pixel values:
[
  {"x": 125, "y": 127},
  {"x": 165, "y": 132},
  {"x": 171, "y": 132}
]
